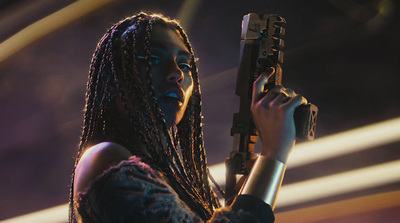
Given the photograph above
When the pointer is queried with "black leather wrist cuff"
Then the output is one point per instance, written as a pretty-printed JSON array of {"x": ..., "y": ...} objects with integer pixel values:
[{"x": 254, "y": 205}]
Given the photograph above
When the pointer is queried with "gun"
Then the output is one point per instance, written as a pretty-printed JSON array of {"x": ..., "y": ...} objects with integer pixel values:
[{"x": 261, "y": 46}]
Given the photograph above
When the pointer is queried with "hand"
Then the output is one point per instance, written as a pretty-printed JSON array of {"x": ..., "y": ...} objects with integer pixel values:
[{"x": 273, "y": 116}]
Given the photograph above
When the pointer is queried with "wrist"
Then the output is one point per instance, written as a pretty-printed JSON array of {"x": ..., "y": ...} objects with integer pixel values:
[
  {"x": 279, "y": 153},
  {"x": 275, "y": 156},
  {"x": 265, "y": 179}
]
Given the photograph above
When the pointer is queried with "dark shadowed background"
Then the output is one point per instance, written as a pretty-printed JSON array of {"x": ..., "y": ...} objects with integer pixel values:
[{"x": 343, "y": 56}]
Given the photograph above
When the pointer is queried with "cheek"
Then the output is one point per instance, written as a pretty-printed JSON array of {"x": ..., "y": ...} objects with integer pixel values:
[
  {"x": 156, "y": 74},
  {"x": 157, "y": 80},
  {"x": 188, "y": 94},
  {"x": 189, "y": 91},
  {"x": 188, "y": 86}
]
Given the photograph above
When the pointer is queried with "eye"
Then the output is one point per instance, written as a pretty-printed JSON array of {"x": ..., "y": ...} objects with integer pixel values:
[
  {"x": 185, "y": 66},
  {"x": 153, "y": 58}
]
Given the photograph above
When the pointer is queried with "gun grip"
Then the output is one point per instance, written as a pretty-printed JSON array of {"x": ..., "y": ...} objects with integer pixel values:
[{"x": 305, "y": 119}]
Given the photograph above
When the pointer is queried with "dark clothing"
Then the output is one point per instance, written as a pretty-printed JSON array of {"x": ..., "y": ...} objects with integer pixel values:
[{"x": 133, "y": 192}]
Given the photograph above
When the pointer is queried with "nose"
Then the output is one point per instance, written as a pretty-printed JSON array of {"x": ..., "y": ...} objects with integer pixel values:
[{"x": 175, "y": 74}]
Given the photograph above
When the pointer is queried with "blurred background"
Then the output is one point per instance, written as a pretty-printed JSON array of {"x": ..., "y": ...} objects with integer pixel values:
[{"x": 342, "y": 55}]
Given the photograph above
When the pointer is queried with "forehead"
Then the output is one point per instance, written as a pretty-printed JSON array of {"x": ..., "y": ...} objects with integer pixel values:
[{"x": 168, "y": 39}]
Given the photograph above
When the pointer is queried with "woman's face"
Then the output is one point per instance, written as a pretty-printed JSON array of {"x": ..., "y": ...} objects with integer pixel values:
[{"x": 171, "y": 71}]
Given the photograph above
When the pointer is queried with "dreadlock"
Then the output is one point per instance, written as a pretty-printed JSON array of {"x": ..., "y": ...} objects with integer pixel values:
[{"x": 115, "y": 62}]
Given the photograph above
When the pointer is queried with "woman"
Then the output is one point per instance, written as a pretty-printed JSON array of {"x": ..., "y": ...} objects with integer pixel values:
[{"x": 141, "y": 156}]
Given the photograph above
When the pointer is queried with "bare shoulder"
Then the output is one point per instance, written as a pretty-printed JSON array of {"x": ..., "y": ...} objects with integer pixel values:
[{"x": 95, "y": 161}]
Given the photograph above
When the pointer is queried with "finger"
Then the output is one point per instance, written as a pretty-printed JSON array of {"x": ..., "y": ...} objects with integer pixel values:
[
  {"x": 272, "y": 94},
  {"x": 258, "y": 85},
  {"x": 281, "y": 98},
  {"x": 290, "y": 92},
  {"x": 294, "y": 102}
]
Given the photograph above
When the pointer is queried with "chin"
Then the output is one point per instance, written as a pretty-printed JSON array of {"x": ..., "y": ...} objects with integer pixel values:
[
  {"x": 172, "y": 116},
  {"x": 171, "y": 120},
  {"x": 169, "y": 124}
]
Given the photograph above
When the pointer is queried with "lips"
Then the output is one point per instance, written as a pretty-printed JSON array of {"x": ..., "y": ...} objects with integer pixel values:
[{"x": 174, "y": 94}]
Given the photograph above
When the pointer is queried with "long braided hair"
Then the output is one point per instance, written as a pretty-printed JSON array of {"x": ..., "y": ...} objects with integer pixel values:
[{"x": 114, "y": 72}]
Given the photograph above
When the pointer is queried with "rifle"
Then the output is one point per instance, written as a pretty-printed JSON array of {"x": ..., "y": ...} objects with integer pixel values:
[{"x": 261, "y": 46}]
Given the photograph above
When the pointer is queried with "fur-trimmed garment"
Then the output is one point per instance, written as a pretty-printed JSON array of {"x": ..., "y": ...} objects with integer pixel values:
[{"x": 133, "y": 192}]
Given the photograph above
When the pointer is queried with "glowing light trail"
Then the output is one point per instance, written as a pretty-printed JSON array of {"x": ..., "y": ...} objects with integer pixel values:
[
  {"x": 347, "y": 142},
  {"x": 187, "y": 13},
  {"x": 57, "y": 214},
  {"x": 335, "y": 145},
  {"x": 341, "y": 183},
  {"x": 47, "y": 25}
]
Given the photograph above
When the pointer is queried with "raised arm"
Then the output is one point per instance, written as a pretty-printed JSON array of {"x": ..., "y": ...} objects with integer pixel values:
[{"x": 273, "y": 116}]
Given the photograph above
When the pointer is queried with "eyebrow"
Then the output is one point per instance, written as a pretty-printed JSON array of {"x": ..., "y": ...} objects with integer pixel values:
[{"x": 180, "y": 52}]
